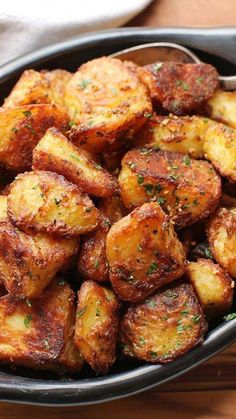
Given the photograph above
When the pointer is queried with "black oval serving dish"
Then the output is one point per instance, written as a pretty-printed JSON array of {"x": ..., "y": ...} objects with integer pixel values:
[{"x": 127, "y": 377}]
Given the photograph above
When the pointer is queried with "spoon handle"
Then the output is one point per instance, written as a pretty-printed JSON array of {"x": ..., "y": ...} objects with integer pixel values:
[{"x": 228, "y": 82}]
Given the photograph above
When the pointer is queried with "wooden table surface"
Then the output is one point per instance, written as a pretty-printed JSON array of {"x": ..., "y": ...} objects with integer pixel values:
[{"x": 209, "y": 391}]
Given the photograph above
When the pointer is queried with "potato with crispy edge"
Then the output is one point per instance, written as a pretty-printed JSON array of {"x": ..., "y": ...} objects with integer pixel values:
[
  {"x": 21, "y": 129},
  {"x": 221, "y": 106},
  {"x": 221, "y": 232},
  {"x": 92, "y": 263},
  {"x": 143, "y": 253},
  {"x": 39, "y": 87},
  {"x": 213, "y": 286},
  {"x": 219, "y": 144},
  {"x": 96, "y": 325},
  {"x": 39, "y": 334},
  {"x": 107, "y": 100},
  {"x": 172, "y": 133},
  {"x": 55, "y": 153},
  {"x": 164, "y": 326},
  {"x": 47, "y": 202},
  {"x": 189, "y": 190},
  {"x": 180, "y": 88}
]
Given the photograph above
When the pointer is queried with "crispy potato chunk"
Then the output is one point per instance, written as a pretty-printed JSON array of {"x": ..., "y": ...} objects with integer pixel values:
[
  {"x": 180, "y": 88},
  {"x": 143, "y": 252},
  {"x": 164, "y": 326},
  {"x": 183, "y": 134},
  {"x": 55, "y": 153},
  {"x": 39, "y": 334},
  {"x": 39, "y": 87},
  {"x": 213, "y": 286},
  {"x": 220, "y": 148},
  {"x": 97, "y": 325},
  {"x": 21, "y": 129},
  {"x": 3, "y": 208},
  {"x": 221, "y": 232},
  {"x": 221, "y": 106},
  {"x": 187, "y": 189},
  {"x": 108, "y": 101},
  {"x": 29, "y": 262},
  {"x": 92, "y": 263},
  {"x": 47, "y": 202}
]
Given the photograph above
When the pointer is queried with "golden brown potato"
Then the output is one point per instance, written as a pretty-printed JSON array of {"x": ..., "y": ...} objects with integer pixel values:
[
  {"x": 3, "y": 208},
  {"x": 39, "y": 87},
  {"x": 92, "y": 263},
  {"x": 97, "y": 325},
  {"x": 164, "y": 326},
  {"x": 39, "y": 333},
  {"x": 47, "y": 202},
  {"x": 108, "y": 101},
  {"x": 220, "y": 148},
  {"x": 143, "y": 252},
  {"x": 21, "y": 129},
  {"x": 221, "y": 232},
  {"x": 213, "y": 286},
  {"x": 221, "y": 106},
  {"x": 180, "y": 88},
  {"x": 55, "y": 153},
  {"x": 187, "y": 189},
  {"x": 172, "y": 133},
  {"x": 29, "y": 262}
]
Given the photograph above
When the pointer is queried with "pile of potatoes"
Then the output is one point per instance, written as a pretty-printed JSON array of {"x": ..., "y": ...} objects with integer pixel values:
[{"x": 118, "y": 184}]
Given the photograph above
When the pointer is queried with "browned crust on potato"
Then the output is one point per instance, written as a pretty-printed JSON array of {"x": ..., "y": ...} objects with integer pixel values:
[
  {"x": 97, "y": 325},
  {"x": 164, "y": 326},
  {"x": 221, "y": 107}
]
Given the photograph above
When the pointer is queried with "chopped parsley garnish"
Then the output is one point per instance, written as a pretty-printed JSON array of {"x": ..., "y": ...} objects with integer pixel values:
[
  {"x": 140, "y": 179},
  {"x": 195, "y": 202},
  {"x": 84, "y": 83},
  {"x": 148, "y": 188},
  {"x": 173, "y": 294},
  {"x": 157, "y": 66},
  {"x": 96, "y": 264},
  {"x": 147, "y": 115},
  {"x": 142, "y": 340},
  {"x": 97, "y": 312},
  {"x": 152, "y": 353},
  {"x": 158, "y": 188},
  {"x": 71, "y": 123},
  {"x": 181, "y": 83},
  {"x": 75, "y": 157},
  {"x": 152, "y": 268},
  {"x": 230, "y": 316},
  {"x": 27, "y": 320},
  {"x": 27, "y": 113},
  {"x": 186, "y": 160},
  {"x": 81, "y": 312},
  {"x": 14, "y": 129},
  {"x": 196, "y": 318},
  {"x": 60, "y": 282},
  {"x": 161, "y": 200}
]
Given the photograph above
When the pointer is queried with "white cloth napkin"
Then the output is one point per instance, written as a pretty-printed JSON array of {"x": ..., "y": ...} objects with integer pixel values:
[{"x": 26, "y": 25}]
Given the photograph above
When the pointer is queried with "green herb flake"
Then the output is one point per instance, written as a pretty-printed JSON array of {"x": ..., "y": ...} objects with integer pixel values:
[
  {"x": 75, "y": 157},
  {"x": 184, "y": 312},
  {"x": 140, "y": 179},
  {"x": 196, "y": 318},
  {"x": 230, "y": 316},
  {"x": 195, "y": 202},
  {"x": 87, "y": 209},
  {"x": 81, "y": 312},
  {"x": 140, "y": 248},
  {"x": 90, "y": 123},
  {"x": 199, "y": 80},
  {"x": 152, "y": 268},
  {"x": 113, "y": 90},
  {"x": 71, "y": 123},
  {"x": 96, "y": 264},
  {"x": 161, "y": 200},
  {"x": 157, "y": 67},
  {"x": 172, "y": 294},
  {"x": 208, "y": 253},
  {"x": 152, "y": 354},
  {"x": 97, "y": 166},
  {"x": 84, "y": 83},
  {"x": 158, "y": 188},
  {"x": 27, "y": 113},
  {"x": 27, "y": 320},
  {"x": 14, "y": 129},
  {"x": 147, "y": 115},
  {"x": 60, "y": 282},
  {"x": 186, "y": 161},
  {"x": 98, "y": 312},
  {"x": 142, "y": 340},
  {"x": 148, "y": 188},
  {"x": 132, "y": 166}
]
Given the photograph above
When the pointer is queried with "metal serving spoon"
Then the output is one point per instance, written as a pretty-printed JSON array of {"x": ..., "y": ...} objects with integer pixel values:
[{"x": 166, "y": 51}]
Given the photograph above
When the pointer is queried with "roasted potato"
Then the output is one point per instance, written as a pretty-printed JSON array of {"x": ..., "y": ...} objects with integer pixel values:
[
  {"x": 213, "y": 286},
  {"x": 143, "y": 253},
  {"x": 39, "y": 333},
  {"x": 29, "y": 262},
  {"x": 108, "y": 101},
  {"x": 221, "y": 106},
  {"x": 220, "y": 148},
  {"x": 92, "y": 263},
  {"x": 3, "y": 208},
  {"x": 97, "y": 325},
  {"x": 187, "y": 189},
  {"x": 180, "y": 88},
  {"x": 47, "y": 202},
  {"x": 39, "y": 87},
  {"x": 172, "y": 133},
  {"x": 221, "y": 232},
  {"x": 164, "y": 326},
  {"x": 55, "y": 153},
  {"x": 21, "y": 129}
]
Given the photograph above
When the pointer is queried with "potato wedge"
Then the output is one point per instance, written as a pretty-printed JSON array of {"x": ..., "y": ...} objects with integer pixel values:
[
  {"x": 189, "y": 190},
  {"x": 180, "y": 88},
  {"x": 39, "y": 334},
  {"x": 221, "y": 232},
  {"x": 143, "y": 253},
  {"x": 107, "y": 100},
  {"x": 164, "y": 326},
  {"x": 220, "y": 140},
  {"x": 35, "y": 87},
  {"x": 221, "y": 106},
  {"x": 55, "y": 153},
  {"x": 213, "y": 286},
  {"x": 21, "y": 129},
  {"x": 183, "y": 134},
  {"x": 47, "y": 202},
  {"x": 97, "y": 326}
]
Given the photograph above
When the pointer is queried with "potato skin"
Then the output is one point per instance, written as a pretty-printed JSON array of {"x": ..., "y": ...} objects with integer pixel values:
[
  {"x": 55, "y": 153},
  {"x": 164, "y": 326},
  {"x": 213, "y": 286},
  {"x": 47, "y": 202},
  {"x": 221, "y": 233},
  {"x": 108, "y": 101},
  {"x": 221, "y": 106},
  {"x": 97, "y": 325},
  {"x": 143, "y": 252},
  {"x": 180, "y": 88},
  {"x": 189, "y": 190},
  {"x": 39, "y": 334}
]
